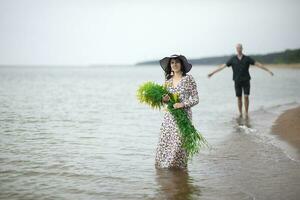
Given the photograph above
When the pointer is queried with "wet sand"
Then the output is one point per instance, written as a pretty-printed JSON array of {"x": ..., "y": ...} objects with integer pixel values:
[{"x": 287, "y": 126}]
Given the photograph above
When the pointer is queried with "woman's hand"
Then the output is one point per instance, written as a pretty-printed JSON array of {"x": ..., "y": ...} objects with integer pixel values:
[
  {"x": 178, "y": 105},
  {"x": 166, "y": 98}
]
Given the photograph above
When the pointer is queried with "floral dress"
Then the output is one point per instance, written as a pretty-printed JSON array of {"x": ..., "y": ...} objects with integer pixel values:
[{"x": 169, "y": 153}]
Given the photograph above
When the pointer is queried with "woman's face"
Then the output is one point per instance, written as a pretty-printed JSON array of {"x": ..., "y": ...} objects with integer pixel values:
[{"x": 175, "y": 64}]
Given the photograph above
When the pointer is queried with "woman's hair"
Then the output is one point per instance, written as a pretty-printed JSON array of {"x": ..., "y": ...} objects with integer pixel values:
[{"x": 169, "y": 73}]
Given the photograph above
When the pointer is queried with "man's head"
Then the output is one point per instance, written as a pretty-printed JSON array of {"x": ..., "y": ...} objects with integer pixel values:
[{"x": 239, "y": 48}]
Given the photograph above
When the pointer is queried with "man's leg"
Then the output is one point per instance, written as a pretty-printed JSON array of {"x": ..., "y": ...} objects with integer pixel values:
[
  {"x": 246, "y": 88},
  {"x": 240, "y": 105},
  {"x": 238, "y": 93},
  {"x": 246, "y": 103}
]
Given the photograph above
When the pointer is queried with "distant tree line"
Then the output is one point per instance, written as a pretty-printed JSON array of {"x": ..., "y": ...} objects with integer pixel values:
[{"x": 285, "y": 57}]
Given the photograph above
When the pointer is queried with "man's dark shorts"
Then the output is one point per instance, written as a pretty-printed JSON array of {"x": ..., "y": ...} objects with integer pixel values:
[{"x": 241, "y": 86}]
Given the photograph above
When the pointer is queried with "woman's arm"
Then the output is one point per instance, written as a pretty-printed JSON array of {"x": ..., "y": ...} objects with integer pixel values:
[
  {"x": 165, "y": 98},
  {"x": 192, "y": 89}
]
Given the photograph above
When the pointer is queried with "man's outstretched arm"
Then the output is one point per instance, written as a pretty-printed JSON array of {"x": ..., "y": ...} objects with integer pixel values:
[
  {"x": 217, "y": 70},
  {"x": 259, "y": 65}
]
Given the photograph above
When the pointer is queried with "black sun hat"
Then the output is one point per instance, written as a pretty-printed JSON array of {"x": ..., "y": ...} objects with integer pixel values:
[{"x": 165, "y": 61}]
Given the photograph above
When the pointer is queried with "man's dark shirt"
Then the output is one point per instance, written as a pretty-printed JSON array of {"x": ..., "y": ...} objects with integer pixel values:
[{"x": 240, "y": 68}]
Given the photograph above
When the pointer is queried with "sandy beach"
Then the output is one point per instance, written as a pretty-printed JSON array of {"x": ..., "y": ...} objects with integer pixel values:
[{"x": 287, "y": 126}]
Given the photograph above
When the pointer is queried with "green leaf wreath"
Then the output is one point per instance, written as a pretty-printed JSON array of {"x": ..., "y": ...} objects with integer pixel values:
[{"x": 152, "y": 93}]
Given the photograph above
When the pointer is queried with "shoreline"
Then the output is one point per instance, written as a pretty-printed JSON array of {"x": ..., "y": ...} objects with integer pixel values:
[
  {"x": 294, "y": 65},
  {"x": 287, "y": 127}
]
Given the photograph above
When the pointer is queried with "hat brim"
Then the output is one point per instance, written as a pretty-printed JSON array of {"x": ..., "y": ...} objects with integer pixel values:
[{"x": 165, "y": 61}]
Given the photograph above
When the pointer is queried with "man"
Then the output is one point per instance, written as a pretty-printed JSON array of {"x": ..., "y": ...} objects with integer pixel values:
[{"x": 240, "y": 67}]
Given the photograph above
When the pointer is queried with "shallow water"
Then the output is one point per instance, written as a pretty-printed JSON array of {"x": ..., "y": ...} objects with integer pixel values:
[{"x": 80, "y": 133}]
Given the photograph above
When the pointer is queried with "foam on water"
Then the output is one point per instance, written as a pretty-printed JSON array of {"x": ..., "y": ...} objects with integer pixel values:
[{"x": 259, "y": 127}]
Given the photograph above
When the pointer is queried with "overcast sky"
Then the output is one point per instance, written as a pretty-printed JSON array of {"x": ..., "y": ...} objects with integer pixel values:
[{"x": 74, "y": 32}]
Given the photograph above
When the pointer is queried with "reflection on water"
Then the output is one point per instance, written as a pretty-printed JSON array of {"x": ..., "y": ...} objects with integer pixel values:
[
  {"x": 243, "y": 121},
  {"x": 243, "y": 125},
  {"x": 176, "y": 184}
]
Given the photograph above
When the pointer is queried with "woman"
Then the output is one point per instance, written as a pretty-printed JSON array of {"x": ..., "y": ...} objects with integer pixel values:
[{"x": 169, "y": 153}]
